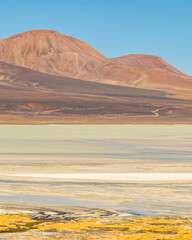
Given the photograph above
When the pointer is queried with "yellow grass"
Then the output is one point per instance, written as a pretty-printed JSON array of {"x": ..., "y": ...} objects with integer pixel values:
[{"x": 141, "y": 228}]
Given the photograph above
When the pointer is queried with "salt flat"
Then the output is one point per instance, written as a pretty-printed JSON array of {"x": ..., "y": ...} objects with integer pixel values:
[
  {"x": 114, "y": 176},
  {"x": 139, "y": 169}
]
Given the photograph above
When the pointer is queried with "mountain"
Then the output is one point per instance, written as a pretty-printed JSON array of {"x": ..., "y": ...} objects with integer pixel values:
[
  {"x": 150, "y": 72},
  {"x": 47, "y": 77},
  {"x": 146, "y": 61},
  {"x": 142, "y": 77},
  {"x": 54, "y": 53},
  {"x": 51, "y": 52}
]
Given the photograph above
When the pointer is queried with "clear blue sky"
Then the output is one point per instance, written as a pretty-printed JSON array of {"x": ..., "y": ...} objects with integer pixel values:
[{"x": 113, "y": 27}]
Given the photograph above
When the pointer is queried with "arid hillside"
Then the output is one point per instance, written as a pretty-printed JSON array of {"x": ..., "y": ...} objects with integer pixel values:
[
  {"x": 31, "y": 97},
  {"x": 54, "y": 53},
  {"x": 47, "y": 77}
]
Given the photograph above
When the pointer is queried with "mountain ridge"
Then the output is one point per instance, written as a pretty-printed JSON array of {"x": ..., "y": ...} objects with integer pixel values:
[
  {"x": 148, "y": 61},
  {"x": 50, "y": 78},
  {"x": 54, "y": 53}
]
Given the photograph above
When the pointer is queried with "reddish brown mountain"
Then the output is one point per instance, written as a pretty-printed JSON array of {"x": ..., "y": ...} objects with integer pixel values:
[
  {"x": 142, "y": 77},
  {"x": 146, "y": 61},
  {"x": 54, "y": 53},
  {"x": 51, "y": 52}
]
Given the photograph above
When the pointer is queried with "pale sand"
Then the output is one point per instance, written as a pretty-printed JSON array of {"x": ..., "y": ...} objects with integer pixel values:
[{"x": 114, "y": 176}]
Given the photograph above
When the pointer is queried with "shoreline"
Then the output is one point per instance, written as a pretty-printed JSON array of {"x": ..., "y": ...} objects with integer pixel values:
[{"x": 100, "y": 124}]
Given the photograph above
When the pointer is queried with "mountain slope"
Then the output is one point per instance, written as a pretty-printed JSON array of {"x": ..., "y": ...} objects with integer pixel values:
[
  {"x": 54, "y": 53},
  {"x": 141, "y": 77},
  {"x": 31, "y": 97}
]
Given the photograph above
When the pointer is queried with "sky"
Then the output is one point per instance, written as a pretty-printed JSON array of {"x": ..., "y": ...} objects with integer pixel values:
[{"x": 113, "y": 27}]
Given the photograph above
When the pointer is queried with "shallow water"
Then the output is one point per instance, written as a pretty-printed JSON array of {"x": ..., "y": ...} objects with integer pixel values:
[{"x": 105, "y": 150}]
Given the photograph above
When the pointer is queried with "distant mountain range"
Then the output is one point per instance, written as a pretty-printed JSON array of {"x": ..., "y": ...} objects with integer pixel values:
[{"x": 47, "y": 77}]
